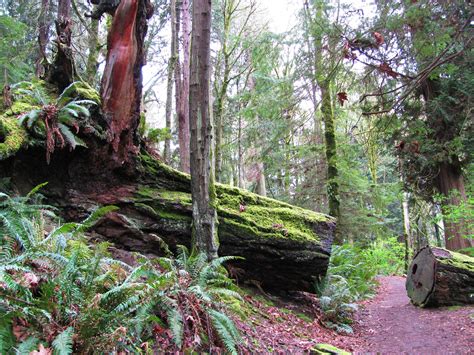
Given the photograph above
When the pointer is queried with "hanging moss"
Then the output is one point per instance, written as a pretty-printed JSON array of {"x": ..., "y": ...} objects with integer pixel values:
[{"x": 12, "y": 137}]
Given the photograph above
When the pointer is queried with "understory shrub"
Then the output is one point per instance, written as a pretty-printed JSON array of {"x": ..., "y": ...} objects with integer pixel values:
[
  {"x": 59, "y": 293},
  {"x": 351, "y": 277}
]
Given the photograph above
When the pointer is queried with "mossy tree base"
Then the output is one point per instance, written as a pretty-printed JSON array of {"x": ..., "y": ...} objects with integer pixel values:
[
  {"x": 438, "y": 277},
  {"x": 285, "y": 247}
]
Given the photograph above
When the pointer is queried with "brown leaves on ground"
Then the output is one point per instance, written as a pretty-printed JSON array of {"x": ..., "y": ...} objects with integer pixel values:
[
  {"x": 42, "y": 351},
  {"x": 288, "y": 326}
]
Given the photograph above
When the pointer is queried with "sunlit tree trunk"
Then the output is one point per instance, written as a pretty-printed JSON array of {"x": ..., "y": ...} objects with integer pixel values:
[{"x": 202, "y": 184}]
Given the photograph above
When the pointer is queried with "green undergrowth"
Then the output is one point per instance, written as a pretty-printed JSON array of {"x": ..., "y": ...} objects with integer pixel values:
[
  {"x": 61, "y": 293},
  {"x": 12, "y": 136},
  {"x": 352, "y": 277},
  {"x": 249, "y": 213}
]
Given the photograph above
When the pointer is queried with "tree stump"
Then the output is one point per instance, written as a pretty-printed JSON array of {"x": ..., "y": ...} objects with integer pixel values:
[{"x": 438, "y": 277}]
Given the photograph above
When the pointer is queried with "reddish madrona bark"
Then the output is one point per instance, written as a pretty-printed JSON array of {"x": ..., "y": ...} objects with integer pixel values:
[{"x": 122, "y": 80}]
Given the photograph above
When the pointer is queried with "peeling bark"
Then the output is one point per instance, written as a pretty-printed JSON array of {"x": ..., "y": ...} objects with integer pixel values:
[{"x": 122, "y": 80}]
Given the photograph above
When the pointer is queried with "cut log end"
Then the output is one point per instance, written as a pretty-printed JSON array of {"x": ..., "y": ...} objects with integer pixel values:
[{"x": 438, "y": 277}]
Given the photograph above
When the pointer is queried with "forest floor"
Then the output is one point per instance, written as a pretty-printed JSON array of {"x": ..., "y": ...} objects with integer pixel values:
[{"x": 385, "y": 324}]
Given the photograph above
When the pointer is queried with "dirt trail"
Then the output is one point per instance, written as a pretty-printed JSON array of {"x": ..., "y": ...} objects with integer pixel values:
[{"x": 391, "y": 325}]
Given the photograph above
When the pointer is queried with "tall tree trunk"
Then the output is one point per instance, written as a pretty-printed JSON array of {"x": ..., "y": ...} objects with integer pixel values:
[
  {"x": 219, "y": 116},
  {"x": 92, "y": 58},
  {"x": 240, "y": 163},
  {"x": 43, "y": 36},
  {"x": 122, "y": 80},
  {"x": 202, "y": 184},
  {"x": 331, "y": 152},
  {"x": 169, "y": 88},
  {"x": 261, "y": 188},
  {"x": 182, "y": 90},
  {"x": 451, "y": 185},
  {"x": 61, "y": 71}
]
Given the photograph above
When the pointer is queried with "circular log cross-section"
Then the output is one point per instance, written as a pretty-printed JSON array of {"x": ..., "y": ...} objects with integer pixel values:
[{"x": 438, "y": 277}]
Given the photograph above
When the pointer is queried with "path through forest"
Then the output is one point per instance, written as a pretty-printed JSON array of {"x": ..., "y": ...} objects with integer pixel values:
[{"x": 390, "y": 324}]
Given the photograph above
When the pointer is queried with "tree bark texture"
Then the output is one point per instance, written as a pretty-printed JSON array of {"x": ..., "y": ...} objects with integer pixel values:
[
  {"x": 202, "y": 184},
  {"x": 92, "y": 57},
  {"x": 451, "y": 185},
  {"x": 43, "y": 36},
  {"x": 61, "y": 72},
  {"x": 122, "y": 80},
  {"x": 182, "y": 87},
  {"x": 169, "y": 84},
  {"x": 438, "y": 277},
  {"x": 331, "y": 151}
]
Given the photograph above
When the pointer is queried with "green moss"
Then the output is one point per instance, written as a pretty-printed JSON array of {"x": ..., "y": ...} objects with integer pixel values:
[
  {"x": 85, "y": 91},
  {"x": 155, "y": 166},
  {"x": 166, "y": 195},
  {"x": 20, "y": 107},
  {"x": 248, "y": 214},
  {"x": 328, "y": 349},
  {"x": 13, "y": 137},
  {"x": 266, "y": 217},
  {"x": 159, "y": 213},
  {"x": 457, "y": 260}
]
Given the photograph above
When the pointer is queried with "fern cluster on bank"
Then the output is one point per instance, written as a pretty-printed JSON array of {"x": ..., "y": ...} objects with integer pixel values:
[
  {"x": 58, "y": 292},
  {"x": 351, "y": 277}
]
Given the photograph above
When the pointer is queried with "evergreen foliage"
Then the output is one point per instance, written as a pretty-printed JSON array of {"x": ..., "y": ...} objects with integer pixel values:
[{"x": 58, "y": 291}]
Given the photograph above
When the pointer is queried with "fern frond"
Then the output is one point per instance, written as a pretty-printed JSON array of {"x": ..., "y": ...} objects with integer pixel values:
[
  {"x": 63, "y": 342},
  {"x": 226, "y": 330},
  {"x": 27, "y": 346}
]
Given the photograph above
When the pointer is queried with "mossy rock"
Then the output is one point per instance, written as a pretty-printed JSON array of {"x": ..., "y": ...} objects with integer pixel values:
[{"x": 12, "y": 137}]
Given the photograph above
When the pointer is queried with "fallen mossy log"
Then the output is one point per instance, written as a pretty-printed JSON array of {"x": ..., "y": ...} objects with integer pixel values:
[
  {"x": 439, "y": 277},
  {"x": 285, "y": 247}
]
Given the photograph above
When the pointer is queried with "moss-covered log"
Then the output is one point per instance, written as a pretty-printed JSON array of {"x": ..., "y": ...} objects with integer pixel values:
[
  {"x": 438, "y": 277},
  {"x": 284, "y": 247}
]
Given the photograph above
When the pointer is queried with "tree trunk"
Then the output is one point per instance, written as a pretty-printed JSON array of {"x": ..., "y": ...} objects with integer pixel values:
[
  {"x": 331, "y": 152},
  {"x": 202, "y": 184},
  {"x": 438, "y": 277},
  {"x": 61, "y": 72},
  {"x": 261, "y": 186},
  {"x": 122, "y": 80},
  {"x": 92, "y": 58},
  {"x": 451, "y": 185},
  {"x": 43, "y": 36},
  {"x": 182, "y": 89},
  {"x": 169, "y": 88}
]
